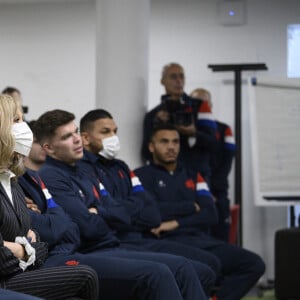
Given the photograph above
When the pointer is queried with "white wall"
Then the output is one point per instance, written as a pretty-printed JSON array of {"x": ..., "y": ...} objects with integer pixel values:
[{"x": 48, "y": 51}]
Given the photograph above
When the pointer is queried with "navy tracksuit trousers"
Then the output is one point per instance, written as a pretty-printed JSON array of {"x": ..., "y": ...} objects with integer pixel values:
[
  {"x": 131, "y": 275},
  {"x": 207, "y": 266},
  {"x": 240, "y": 268}
]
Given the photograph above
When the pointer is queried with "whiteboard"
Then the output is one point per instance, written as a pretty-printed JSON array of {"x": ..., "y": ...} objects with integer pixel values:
[{"x": 275, "y": 140}]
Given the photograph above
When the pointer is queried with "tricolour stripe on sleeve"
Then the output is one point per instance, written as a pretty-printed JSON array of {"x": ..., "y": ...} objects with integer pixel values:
[
  {"x": 103, "y": 191},
  {"x": 202, "y": 187},
  {"x": 136, "y": 183},
  {"x": 205, "y": 116},
  {"x": 229, "y": 139}
]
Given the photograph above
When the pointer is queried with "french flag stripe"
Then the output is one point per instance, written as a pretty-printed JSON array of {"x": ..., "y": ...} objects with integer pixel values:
[
  {"x": 204, "y": 193},
  {"x": 103, "y": 191},
  {"x": 51, "y": 203},
  {"x": 205, "y": 116},
  {"x": 136, "y": 183},
  {"x": 229, "y": 140},
  {"x": 201, "y": 186},
  {"x": 46, "y": 193},
  {"x": 207, "y": 123},
  {"x": 230, "y": 143},
  {"x": 204, "y": 107},
  {"x": 230, "y": 147}
]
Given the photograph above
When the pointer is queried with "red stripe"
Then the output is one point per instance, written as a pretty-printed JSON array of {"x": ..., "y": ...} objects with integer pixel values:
[
  {"x": 199, "y": 178},
  {"x": 228, "y": 131},
  {"x": 121, "y": 174},
  {"x": 204, "y": 107},
  {"x": 96, "y": 194}
]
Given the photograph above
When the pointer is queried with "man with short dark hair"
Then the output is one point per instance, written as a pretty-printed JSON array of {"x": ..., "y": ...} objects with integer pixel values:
[{"x": 176, "y": 187}]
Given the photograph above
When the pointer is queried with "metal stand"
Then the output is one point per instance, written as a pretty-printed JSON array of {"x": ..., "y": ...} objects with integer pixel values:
[{"x": 237, "y": 69}]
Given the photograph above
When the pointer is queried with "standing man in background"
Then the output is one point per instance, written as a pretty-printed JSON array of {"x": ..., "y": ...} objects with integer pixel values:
[
  {"x": 192, "y": 118},
  {"x": 221, "y": 163}
]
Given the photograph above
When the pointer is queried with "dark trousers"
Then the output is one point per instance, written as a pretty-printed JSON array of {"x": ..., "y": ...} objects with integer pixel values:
[
  {"x": 130, "y": 275},
  {"x": 240, "y": 268},
  {"x": 207, "y": 266},
  {"x": 222, "y": 228},
  {"x": 57, "y": 283}
]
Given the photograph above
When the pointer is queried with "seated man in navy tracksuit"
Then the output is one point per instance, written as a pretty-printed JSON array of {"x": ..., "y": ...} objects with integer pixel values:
[
  {"x": 177, "y": 190},
  {"x": 95, "y": 212},
  {"x": 101, "y": 144}
]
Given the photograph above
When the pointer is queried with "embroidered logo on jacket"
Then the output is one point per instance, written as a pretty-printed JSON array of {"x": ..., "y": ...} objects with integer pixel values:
[
  {"x": 229, "y": 139},
  {"x": 190, "y": 184},
  {"x": 161, "y": 183},
  {"x": 81, "y": 193},
  {"x": 72, "y": 263}
]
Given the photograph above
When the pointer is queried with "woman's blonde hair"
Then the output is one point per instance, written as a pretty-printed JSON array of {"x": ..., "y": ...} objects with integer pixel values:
[{"x": 8, "y": 158}]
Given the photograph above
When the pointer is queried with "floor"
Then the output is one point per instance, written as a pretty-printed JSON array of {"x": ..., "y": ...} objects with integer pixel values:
[
  {"x": 264, "y": 291},
  {"x": 266, "y": 295}
]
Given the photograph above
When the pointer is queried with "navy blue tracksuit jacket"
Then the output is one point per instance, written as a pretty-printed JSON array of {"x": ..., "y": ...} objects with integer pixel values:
[{"x": 175, "y": 193}]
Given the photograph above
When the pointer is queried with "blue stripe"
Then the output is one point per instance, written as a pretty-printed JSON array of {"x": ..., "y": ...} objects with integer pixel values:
[
  {"x": 103, "y": 192},
  {"x": 229, "y": 146},
  {"x": 207, "y": 123},
  {"x": 51, "y": 203},
  {"x": 204, "y": 193},
  {"x": 138, "y": 188}
]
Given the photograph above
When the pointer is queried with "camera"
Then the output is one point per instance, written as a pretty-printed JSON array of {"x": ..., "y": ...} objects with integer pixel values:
[
  {"x": 173, "y": 106},
  {"x": 182, "y": 118},
  {"x": 178, "y": 115}
]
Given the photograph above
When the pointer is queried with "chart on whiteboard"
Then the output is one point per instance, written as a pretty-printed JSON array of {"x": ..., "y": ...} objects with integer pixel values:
[{"x": 275, "y": 138}]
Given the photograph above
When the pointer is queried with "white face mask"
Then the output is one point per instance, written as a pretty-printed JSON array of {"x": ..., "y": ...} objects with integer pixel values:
[
  {"x": 23, "y": 138},
  {"x": 111, "y": 147}
]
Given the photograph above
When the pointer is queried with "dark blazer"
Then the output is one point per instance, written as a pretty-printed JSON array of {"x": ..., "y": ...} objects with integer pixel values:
[
  {"x": 15, "y": 221},
  {"x": 79, "y": 282}
]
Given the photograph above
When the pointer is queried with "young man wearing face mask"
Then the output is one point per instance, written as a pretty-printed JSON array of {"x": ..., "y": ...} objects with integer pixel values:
[{"x": 101, "y": 146}]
